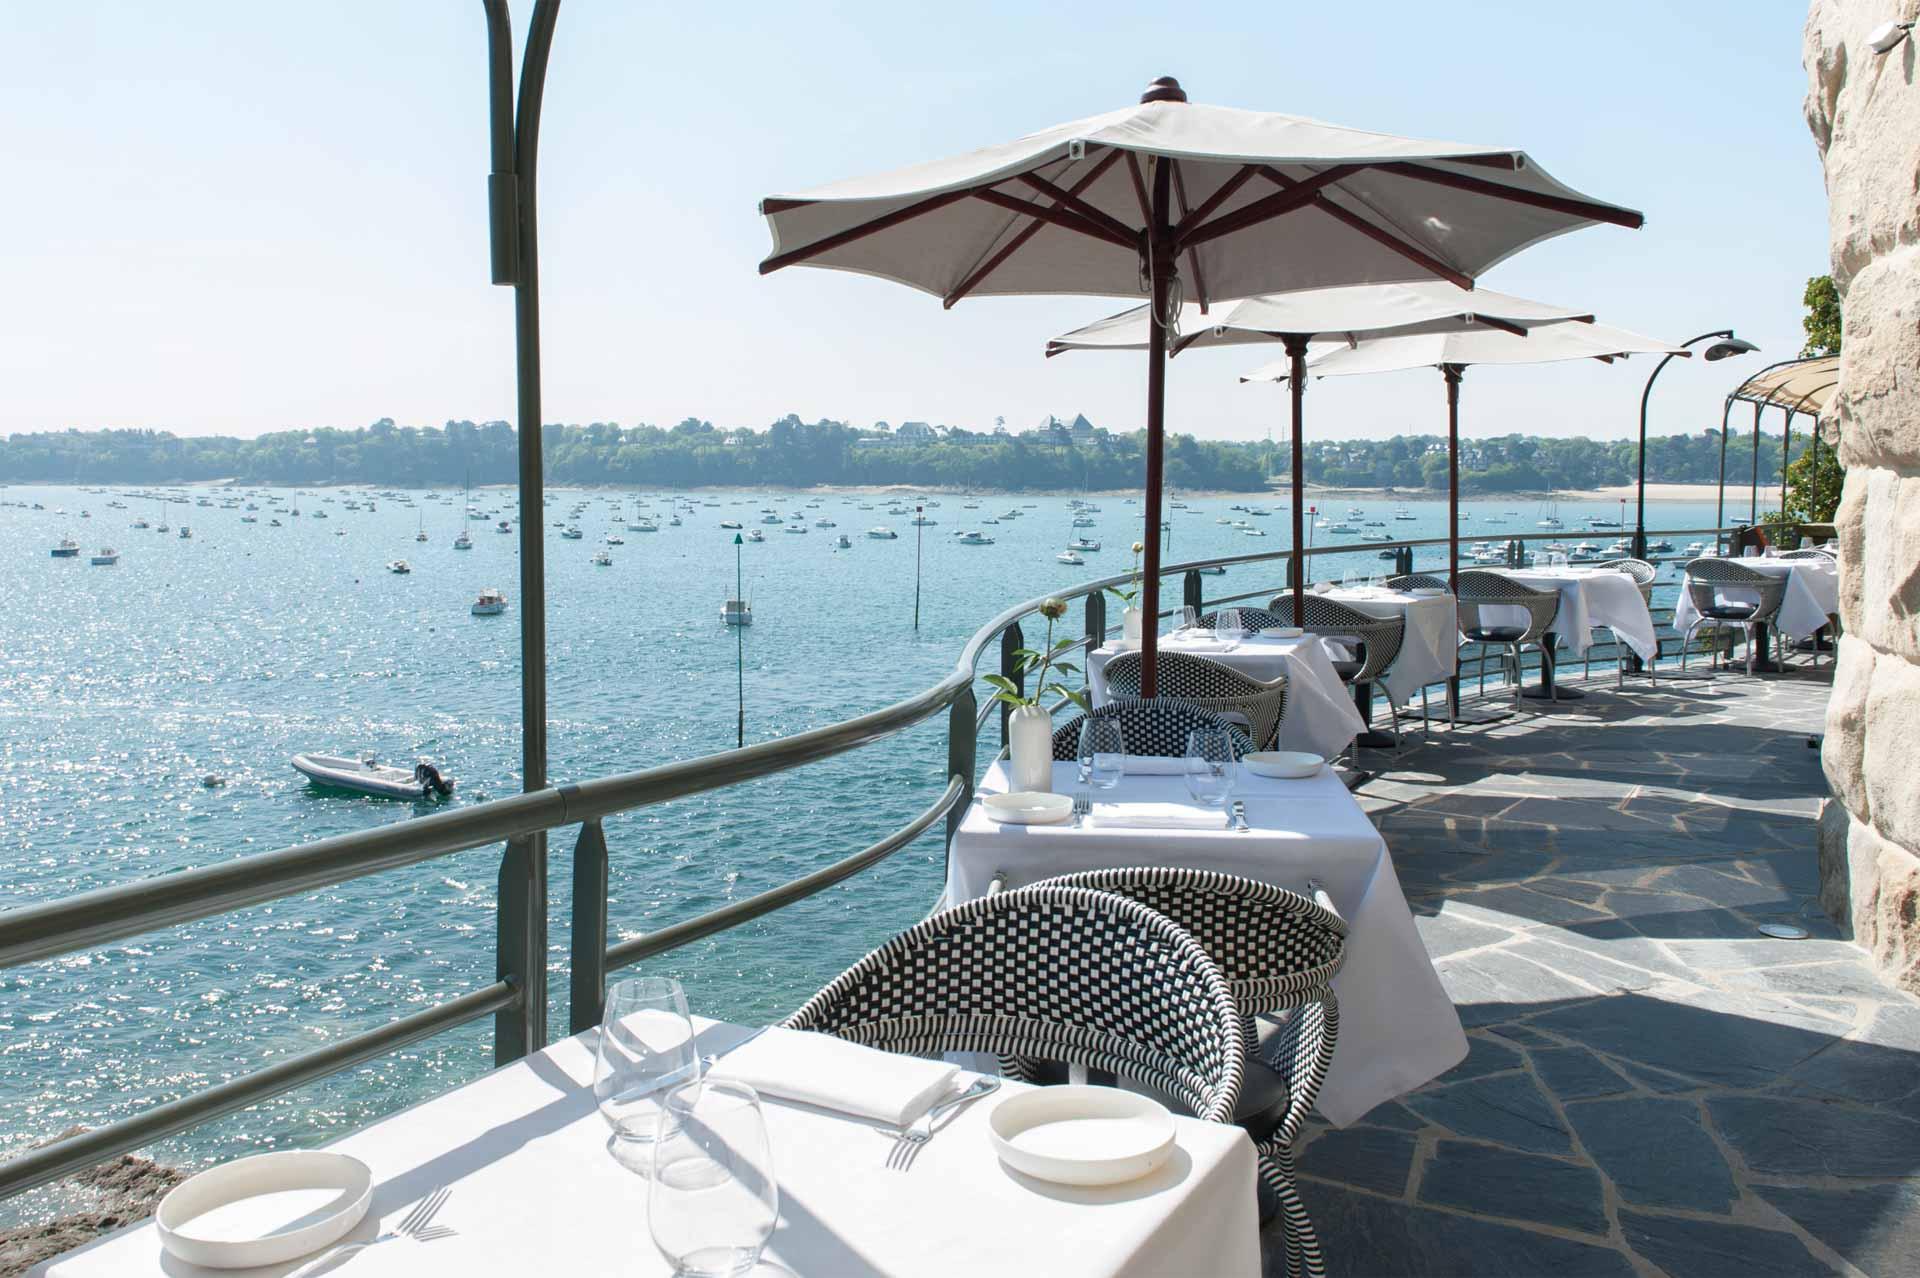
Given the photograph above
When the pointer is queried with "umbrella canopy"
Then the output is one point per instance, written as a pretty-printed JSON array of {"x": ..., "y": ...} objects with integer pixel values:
[
  {"x": 1451, "y": 353},
  {"x": 1171, "y": 199},
  {"x": 1426, "y": 306}
]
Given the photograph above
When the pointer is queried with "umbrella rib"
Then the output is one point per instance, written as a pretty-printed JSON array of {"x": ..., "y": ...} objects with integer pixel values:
[
  {"x": 1426, "y": 261},
  {"x": 1139, "y": 189},
  {"x": 1073, "y": 202},
  {"x": 860, "y": 232},
  {"x": 1032, "y": 228},
  {"x": 1193, "y": 255},
  {"x": 1214, "y": 201},
  {"x": 1292, "y": 195},
  {"x": 1059, "y": 217},
  {"x": 1538, "y": 199}
]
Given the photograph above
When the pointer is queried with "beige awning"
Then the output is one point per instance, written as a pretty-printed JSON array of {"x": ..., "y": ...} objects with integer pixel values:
[{"x": 1804, "y": 386}]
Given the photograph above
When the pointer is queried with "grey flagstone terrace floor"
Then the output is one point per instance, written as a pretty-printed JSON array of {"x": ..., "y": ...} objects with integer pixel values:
[{"x": 1653, "y": 1087}]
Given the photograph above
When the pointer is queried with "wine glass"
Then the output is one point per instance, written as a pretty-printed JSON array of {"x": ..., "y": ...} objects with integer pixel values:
[
  {"x": 1350, "y": 578},
  {"x": 646, "y": 1047},
  {"x": 712, "y": 1200},
  {"x": 1189, "y": 619},
  {"x": 1209, "y": 766},
  {"x": 1103, "y": 752},
  {"x": 1228, "y": 626}
]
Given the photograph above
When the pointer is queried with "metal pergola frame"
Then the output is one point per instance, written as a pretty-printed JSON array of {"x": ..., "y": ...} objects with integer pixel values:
[{"x": 1791, "y": 404}]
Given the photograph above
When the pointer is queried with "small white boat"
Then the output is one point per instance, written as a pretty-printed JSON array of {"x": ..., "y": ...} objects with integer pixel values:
[
  {"x": 795, "y": 528},
  {"x": 503, "y": 526},
  {"x": 572, "y": 533},
  {"x": 422, "y": 781},
  {"x": 974, "y": 538},
  {"x": 1083, "y": 543},
  {"x": 841, "y": 543},
  {"x": 67, "y": 548},
  {"x": 491, "y": 603},
  {"x": 186, "y": 533},
  {"x": 644, "y": 525},
  {"x": 107, "y": 555},
  {"x": 615, "y": 539},
  {"x": 601, "y": 559},
  {"x": 756, "y": 535},
  {"x": 824, "y": 523},
  {"x": 1069, "y": 557},
  {"x": 730, "y": 523},
  {"x": 921, "y": 521},
  {"x": 463, "y": 542},
  {"x": 399, "y": 566},
  {"x": 736, "y": 612},
  {"x": 882, "y": 533}
]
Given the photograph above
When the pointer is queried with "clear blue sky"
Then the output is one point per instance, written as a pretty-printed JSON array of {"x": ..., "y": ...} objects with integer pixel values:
[{"x": 238, "y": 217}]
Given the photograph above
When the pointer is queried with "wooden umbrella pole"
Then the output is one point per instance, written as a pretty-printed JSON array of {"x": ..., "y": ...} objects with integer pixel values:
[
  {"x": 1296, "y": 387},
  {"x": 1452, "y": 373},
  {"x": 1160, "y": 265}
]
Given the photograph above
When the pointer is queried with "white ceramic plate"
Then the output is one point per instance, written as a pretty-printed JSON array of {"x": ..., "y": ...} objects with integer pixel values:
[
  {"x": 1283, "y": 632},
  {"x": 1288, "y": 765},
  {"x": 264, "y": 1210},
  {"x": 1081, "y": 1135},
  {"x": 1427, "y": 592},
  {"x": 1028, "y": 807}
]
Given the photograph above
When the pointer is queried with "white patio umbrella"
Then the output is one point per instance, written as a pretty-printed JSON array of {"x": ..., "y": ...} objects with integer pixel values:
[
  {"x": 1170, "y": 198},
  {"x": 1426, "y": 311},
  {"x": 1451, "y": 353}
]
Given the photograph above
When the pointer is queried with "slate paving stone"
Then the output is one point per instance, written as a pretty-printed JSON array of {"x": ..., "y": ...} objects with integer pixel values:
[
  {"x": 1723, "y": 889},
  {"x": 1717, "y": 1038},
  {"x": 1584, "y": 965},
  {"x": 1875, "y": 1227},
  {"x": 1759, "y": 951},
  {"x": 1704, "y": 1249},
  {"x": 1507, "y": 1109},
  {"x": 1656, "y": 1153},
  {"x": 1394, "y": 1115},
  {"x": 1525, "y": 907},
  {"x": 1587, "y": 894},
  {"x": 1495, "y": 986},
  {"x": 1574, "y": 1073},
  {"x": 1484, "y": 1056},
  {"x": 1449, "y": 932},
  {"x": 1850, "y": 978},
  {"x": 1777, "y": 1137},
  {"x": 1368, "y": 1237},
  {"x": 1514, "y": 1032},
  {"x": 1500, "y": 1182},
  {"x": 1369, "y": 1157}
]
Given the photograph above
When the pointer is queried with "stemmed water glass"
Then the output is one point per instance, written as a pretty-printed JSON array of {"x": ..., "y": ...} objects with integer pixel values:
[
  {"x": 1227, "y": 625},
  {"x": 1209, "y": 766},
  {"x": 1103, "y": 752},
  {"x": 1189, "y": 619},
  {"x": 646, "y": 1048},
  {"x": 712, "y": 1201}
]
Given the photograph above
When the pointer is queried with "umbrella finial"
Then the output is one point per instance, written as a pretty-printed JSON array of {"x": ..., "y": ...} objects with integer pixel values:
[{"x": 1165, "y": 89}]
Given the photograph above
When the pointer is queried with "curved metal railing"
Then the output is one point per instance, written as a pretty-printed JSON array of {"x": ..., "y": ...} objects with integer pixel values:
[{"x": 517, "y": 998}]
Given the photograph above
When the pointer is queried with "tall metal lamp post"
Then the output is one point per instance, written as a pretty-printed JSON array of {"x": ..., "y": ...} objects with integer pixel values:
[{"x": 1725, "y": 344}]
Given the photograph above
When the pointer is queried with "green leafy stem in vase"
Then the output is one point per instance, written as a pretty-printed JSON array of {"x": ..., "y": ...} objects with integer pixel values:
[
  {"x": 1131, "y": 590},
  {"x": 1041, "y": 663}
]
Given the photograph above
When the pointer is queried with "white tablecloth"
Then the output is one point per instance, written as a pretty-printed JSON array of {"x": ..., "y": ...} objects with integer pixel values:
[
  {"x": 1430, "y": 649},
  {"x": 1589, "y": 597},
  {"x": 1813, "y": 594},
  {"x": 536, "y": 1192},
  {"x": 1320, "y": 716},
  {"x": 1397, "y": 1027}
]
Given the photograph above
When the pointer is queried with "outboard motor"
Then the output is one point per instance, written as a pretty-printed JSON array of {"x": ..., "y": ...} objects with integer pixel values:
[{"x": 431, "y": 782}]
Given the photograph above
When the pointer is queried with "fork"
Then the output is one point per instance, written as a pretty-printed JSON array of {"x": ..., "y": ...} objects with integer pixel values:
[
  {"x": 417, "y": 1225},
  {"x": 908, "y": 1140}
]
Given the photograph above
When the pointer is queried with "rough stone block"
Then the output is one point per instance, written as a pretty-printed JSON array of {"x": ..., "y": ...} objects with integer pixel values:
[
  {"x": 1836, "y": 871},
  {"x": 1886, "y": 903},
  {"x": 1893, "y": 750},
  {"x": 1843, "y": 752}
]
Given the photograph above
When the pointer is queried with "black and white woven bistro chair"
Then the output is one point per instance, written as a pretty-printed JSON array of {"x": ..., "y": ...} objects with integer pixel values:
[
  {"x": 1490, "y": 590},
  {"x": 1811, "y": 552},
  {"x": 1373, "y": 641},
  {"x": 1417, "y": 581},
  {"x": 1251, "y": 619},
  {"x": 1258, "y": 704},
  {"x": 1156, "y": 726},
  {"x": 1052, "y": 974},
  {"x": 1644, "y": 574},
  {"x": 1725, "y": 594},
  {"x": 1278, "y": 951}
]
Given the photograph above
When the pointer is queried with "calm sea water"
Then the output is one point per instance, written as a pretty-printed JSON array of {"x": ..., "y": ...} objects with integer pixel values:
[{"x": 122, "y": 687}]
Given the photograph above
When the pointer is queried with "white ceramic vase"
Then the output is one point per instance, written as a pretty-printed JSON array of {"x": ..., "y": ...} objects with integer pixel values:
[
  {"x": 1130, "y": 627},
  {"x": 1030, "y": 748}
]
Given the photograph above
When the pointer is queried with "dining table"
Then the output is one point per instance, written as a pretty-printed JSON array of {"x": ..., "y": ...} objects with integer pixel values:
[
  {"x": 1429, "y": 645},
  {"x": 535, "y": 1187},
  {"x": 1320, "y": 718},
  {"x": 1589, "y": 597},
  {"x": 1398, "y": 1029},
  {"x": 1811, "y": 601}
]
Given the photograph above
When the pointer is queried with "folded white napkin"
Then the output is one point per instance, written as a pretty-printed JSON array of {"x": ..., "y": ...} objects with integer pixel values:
[
  {"x": 819, "y": 1069},
  {"x": 1157, "y": 816},
  {"x": 1198, "y": 645},
  {"x": 1156, "y": 765}
]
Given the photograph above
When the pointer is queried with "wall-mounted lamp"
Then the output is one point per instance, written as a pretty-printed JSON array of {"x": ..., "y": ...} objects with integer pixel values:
[{"x": 1887, "y": 36}]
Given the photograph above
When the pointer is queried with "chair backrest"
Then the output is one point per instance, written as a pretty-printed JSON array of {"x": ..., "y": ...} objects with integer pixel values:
[
  {"x": 1209, "y": 685},
  {"x": 1639, "y": 569},
  {"x": 1417, "y": 581},
  {"x": 1707, "y": 576},
  {"x": 1064, "y": 974},
  {"x": 1379, "y": 637},
  {"x": 1251, "y": 618},
  {"x": 1479, "y": 589},
  {"x": 1152, "y": 726},
  {"x": 1810, "y": 552},
  {"x": 1276, "y": 949}
]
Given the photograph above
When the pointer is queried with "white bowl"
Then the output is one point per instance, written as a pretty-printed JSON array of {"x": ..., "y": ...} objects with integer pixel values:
[
  {"x": 1283, "y": 632},
  {"x": 1288, "y": 765},
  {"x": 1028, "y": 807},
  {"x": 1081, "y": 1135},
  {"x": 264, "y": 1210}
]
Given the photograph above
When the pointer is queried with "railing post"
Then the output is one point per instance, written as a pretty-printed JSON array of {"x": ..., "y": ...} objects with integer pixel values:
[
  {"x": 1402, "y": 560},
  {"x": 1192, "y": 591},
  {"x": 1010, "y": 643},
  {"x": 588, "y": 931},
  {"x": 1295, "y": 560},
  {"x": 963, "y": 749},
  {"x": 520, "y": 949},
  {"x": 1096, "y": 628}
]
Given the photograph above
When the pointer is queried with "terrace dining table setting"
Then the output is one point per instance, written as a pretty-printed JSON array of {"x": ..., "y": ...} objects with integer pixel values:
[
  {"x": 534, "y": 1186},
  {"x": 1589, "y": 597},
  {"x": 1398, "y": 1029},
  {"x": 1813, "y": 594},
  {"x": 1320, "y": 717},
  {"x": 1429, "y": 650}
]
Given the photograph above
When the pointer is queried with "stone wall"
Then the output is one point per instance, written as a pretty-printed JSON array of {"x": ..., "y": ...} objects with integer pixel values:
[{"x": 1864, "y": 110}]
